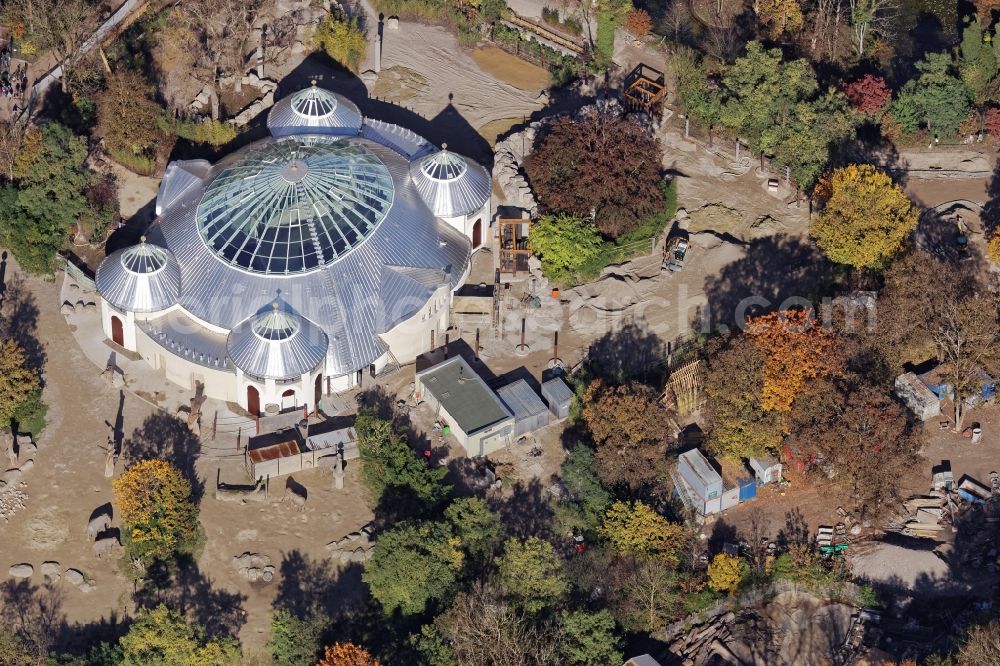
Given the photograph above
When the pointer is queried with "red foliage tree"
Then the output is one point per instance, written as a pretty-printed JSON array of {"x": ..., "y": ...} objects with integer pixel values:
[
  {"x": 869, "y": 94},
  {"x": 638, "y": 22},
  {"x": 992, "y": 124},
  {"x": 598, "y": 163}
]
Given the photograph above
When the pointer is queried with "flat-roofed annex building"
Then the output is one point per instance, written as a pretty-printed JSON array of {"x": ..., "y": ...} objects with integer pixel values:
[{"x": 301, "y": 261}]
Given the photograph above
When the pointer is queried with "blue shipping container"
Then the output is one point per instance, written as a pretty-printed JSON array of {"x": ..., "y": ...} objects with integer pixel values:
[{"x": 748, "y": 489}]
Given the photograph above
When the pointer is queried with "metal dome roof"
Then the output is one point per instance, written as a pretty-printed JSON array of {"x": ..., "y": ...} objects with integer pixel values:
[
  {"x": 293, "y": 205},
  {"x": 450, "y": 184},
  {"x": 314, "y": 111},
  {"x": 277, "y": 343},
  {"x": 380, "y": 282},
  {"x": 140, "y": 278}
]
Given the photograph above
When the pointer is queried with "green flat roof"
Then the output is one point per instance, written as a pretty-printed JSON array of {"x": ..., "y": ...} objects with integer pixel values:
[{"x": 464, "y": 395}]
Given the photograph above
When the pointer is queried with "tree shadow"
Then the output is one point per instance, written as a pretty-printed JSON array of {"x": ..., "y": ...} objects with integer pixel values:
[
  {"x": 723, "y": 535},
  {"x": 162, "y": 436},
  {"x": 775, "y": 272},
  {"x": 938, "y": 234},
  {"x": 185, "y": 588},
  {"x": 33, "y": 611},
  {"x": 628, "y": 353},
  {"x": 795, "y": 531},
  {"x": 527, "y": 511},
  {"x": 19, "y": 321},
  {"x": 991, "y": 210},
  {"x": 309, "y": 586}
]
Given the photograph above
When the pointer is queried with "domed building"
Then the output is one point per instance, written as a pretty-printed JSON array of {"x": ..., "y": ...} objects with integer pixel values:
[{"x": 291, "y": 267}]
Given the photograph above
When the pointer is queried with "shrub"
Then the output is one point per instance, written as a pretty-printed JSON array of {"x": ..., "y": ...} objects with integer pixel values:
[
  {"x": 565, "y": 244},
  {"x": 342, "y": 40}
]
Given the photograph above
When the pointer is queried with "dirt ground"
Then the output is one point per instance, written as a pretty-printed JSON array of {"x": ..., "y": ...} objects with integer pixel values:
[
  {"x": 510, "y": 69},
  {"x": 67, "y": 484}
]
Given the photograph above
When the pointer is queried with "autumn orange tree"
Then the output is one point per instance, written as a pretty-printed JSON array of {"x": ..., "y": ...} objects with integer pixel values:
[
  {"x": 796, "y": 349},
  {"x": 160, "y": 518},
  {"x": 347, "y": 654},
  {"x": 629, "y": 427}
]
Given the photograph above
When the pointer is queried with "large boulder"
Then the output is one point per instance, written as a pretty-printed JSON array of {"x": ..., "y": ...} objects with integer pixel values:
[
  {"x": 21, "y": 570},
  {"x": 52, "y": 571},
  {"x": 75, "y": 576}
]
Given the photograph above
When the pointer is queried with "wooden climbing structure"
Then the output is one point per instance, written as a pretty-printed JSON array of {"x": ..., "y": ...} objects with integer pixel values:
[
  {"x": 684, "y": 392},
  {"x": 645, "y": 89},
  {"x": 513, "y": 242}
]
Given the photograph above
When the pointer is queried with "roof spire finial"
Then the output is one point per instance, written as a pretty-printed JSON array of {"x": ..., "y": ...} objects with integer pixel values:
[
  {"x": 274, "y": 305},
  {"x": 444, "y": 146},
  {"x": 142, "y": 239},
  {"x": 313, "y": 83}
]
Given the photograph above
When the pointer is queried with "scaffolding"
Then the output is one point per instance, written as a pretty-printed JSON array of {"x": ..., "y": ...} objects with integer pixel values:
[
  {"x": 684, "y": 391},
  {"x": 645, "y": 89},
  {"x": 513, "y": 242}
]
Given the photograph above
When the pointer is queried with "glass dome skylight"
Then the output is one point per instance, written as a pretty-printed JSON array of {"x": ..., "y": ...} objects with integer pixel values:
[
  {"x": 444, "y": 166},
  {"x": 276, "y": 325},
  {"x": 314, "y": 103},
  {"x": 294, "y": 205},
  {"x": 144, "y": 258}
]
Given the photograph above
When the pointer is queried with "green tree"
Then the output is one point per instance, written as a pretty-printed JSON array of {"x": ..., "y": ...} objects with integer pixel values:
[
  {"x": 161, "y": 637},
  {"x": 701, "y": 102},
  {"x": 400, "y": 483},
  {"x": 904, "y": 110},
  {"x": 532, "y": 574},
  {"x": 414, "y": 565},
  {"x": 637, "y": 530},
  {"x": 779, "y": 109},
  {"x": 940, "y": 96},
  {"x": 978, "y": 64},
  {"x": 295, "y": 641},
  {"x": 588, "y": 639},
  {"x": 866, "y": 218},
  {"x": 49, "y": 198},
  {"x": 478, "y": 529},
  {"x": 580, "y": 478},
  {"x": 434, "y": 649},
  {"x": 342, "y": 40},
  {"x": 565, "y": 244},
  {"x": 18, "y": 382}
]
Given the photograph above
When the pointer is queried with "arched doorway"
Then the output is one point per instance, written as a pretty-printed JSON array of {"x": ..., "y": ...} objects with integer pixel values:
[
  {"x": 477, "y": 233},
  {"x": 318, "y": 392},
  {"x": 253, "y": 401},
  {"x": 288, "y": 399},
  {"x": 117, "y": 331}
]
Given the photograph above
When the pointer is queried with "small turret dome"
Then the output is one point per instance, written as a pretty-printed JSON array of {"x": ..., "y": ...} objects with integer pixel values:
[{"x": 140, "y": 278}]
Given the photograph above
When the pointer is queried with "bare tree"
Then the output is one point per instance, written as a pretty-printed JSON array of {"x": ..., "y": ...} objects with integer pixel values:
[
  {"x": 223, "y": 31},
  {"x": 486, "y": 630},
  {"x": 61, "y": 26},
  {"x": 677, "y": 21},
  {"x": 870, "y": 19},
  {"x": 824, "y": 31}
]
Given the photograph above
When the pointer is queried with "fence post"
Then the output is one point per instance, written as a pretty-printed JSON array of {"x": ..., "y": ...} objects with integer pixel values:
[{"x": 215, "y": 425}]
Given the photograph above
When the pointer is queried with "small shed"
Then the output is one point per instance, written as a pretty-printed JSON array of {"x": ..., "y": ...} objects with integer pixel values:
[
  {"x": 476, "y": 417},
  {"x": 920, "y": 399},
  {"x": 766, "y": 468},
  {"x": 699, "y": 473},
  {"x": 530, "y": 413},
  {"x": 559, "y": 397},
  {"x": 642, "y": 660}
]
